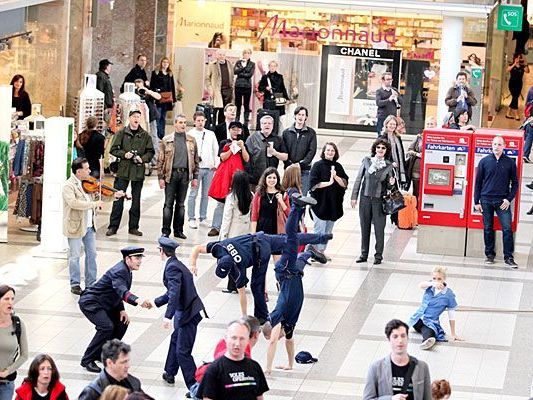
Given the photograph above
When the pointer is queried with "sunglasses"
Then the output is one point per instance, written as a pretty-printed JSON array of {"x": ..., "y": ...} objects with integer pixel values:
[{"x": 381, "y": 147}]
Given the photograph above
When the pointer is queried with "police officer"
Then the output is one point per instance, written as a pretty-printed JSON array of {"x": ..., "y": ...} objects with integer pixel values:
[
  {"x": 103, "y": 304},
  {"x": 236, "y": 254},
  {"x": 289, "y": 273},
  {"x": 184, "y": 305}
]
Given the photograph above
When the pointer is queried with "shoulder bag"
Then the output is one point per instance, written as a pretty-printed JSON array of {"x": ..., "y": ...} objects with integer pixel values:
[
  {"x": 278, "y": 97},
  {"x": 393, "y": 201},
  {"x": 166, "y": 97}
]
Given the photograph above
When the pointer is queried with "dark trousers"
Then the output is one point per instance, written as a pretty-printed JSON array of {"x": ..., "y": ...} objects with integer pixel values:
[
  {"x": 424, "y": 330},
  {"x": 379, "y": 124},
  {"x": 108, "y": 326},
  {"x": 175, "y": 193},
  {"x": 227, "y": 95},
  {"x": 515, "y": 95},
  {"x": 180, "y": 349},
  {"x": 118, "y": 205},
  {"x": 416, "y": 191},
  {"x": 371, "y": 212},
  {"x": 275, "y": 244},
  {"x": 504, "y": 216},
  {"x": 242, "y": 98},
  {"x": 528, "y": 140},
  {"x": 161, "y": 120}
]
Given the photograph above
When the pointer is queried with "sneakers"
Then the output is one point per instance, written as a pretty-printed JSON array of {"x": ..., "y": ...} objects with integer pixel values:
[
  {"x": 489, "y": 260},
  {"x": 510, "y": 262},
  {"x": 192, "y": 224},
  {"x": 303, "y": 201},
  {"x": 213, "y": 232},
  {"x": 204, "y": 223},
  {"x": 76, "y": 289},
  {"x": 317, "y": 255},
  {"x": 428, "y": 343}
]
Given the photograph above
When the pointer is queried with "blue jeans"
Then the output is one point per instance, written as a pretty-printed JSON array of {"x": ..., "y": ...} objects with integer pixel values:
[
  {"x": 205, "y": 176},
  {"x": 305, "y": 182},
  {"x": 74, "y": 253},
  {"x": 218, "y": 214},
  {"x": 161, "y": 120},
  {"x": 322, "y": 226},
  {"x": 505, "y": 217},
  {"x": 7, "y": 390},
  {"x": 528, "y": 141}
]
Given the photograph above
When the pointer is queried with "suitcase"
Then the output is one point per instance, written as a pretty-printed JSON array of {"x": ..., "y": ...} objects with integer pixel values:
[
  {"x": 408, "y": 216},
  {"x": 209, "y": 111},
  {"x": 273, "y": 113}
]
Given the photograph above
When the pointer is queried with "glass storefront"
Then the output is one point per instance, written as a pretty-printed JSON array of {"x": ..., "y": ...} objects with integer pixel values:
[{"x": 295, "y": 37}]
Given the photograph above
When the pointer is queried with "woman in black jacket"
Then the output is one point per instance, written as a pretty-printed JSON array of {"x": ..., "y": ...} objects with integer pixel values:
[
  {"x": 272, "y": 86},
  {"x": 244, "y": 71},
  {"x": 92, "y": 143},
  {"x": 162, "y": 82},
  {"x": 20, "y": 99},
  {"x": 328, "y": 182},
  {"x": 375, "y": 177}
]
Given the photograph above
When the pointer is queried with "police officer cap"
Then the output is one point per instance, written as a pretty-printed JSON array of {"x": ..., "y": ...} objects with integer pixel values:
[
  {"x": 132, "y": 251},
  {"x": 224, "y": 265},
  {"x": 167, "y": 243}
]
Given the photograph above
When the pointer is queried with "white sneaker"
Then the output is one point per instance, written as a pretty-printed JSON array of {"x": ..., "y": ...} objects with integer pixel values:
[
  {"x": 192, "y": 224},
  {"x": 204, "y": 223},
  {"x": 428, "y": 343}
]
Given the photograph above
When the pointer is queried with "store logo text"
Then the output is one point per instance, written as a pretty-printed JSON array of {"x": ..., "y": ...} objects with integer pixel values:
[{"x": 279, "y": 26}]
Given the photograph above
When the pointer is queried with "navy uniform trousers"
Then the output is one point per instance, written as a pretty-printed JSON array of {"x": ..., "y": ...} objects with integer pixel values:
[{"x": 180, "y": 349}]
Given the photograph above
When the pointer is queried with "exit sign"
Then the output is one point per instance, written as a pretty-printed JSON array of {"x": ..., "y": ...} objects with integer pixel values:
[{"x": 510, "y": 17}]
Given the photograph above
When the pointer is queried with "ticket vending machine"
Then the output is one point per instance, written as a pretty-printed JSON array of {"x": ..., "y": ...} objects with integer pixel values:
[
  {"x": 482, "y": 146},
  {"x": 443, "y": 199}
]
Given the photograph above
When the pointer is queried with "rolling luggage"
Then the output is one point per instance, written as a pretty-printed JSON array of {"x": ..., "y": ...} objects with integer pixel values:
[{"x": 408, "y": 216}]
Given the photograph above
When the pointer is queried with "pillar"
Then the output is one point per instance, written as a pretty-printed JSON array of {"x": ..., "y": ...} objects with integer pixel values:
[{"x": 450, "y": 59}]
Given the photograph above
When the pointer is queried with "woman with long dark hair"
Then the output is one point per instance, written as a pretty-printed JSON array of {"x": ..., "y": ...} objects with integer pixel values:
[
  {"x": 20, "y": 98},
  {"x": 236, "y": 217},
  {"x": 516, "y": 72},
  {"x": 13, "y": 351},
  {"x": 42, "y": 381},
  {"x": 92, "y": 143},
  {"x": 327, "y": 182},
  {"x": 162, "y": 82}
]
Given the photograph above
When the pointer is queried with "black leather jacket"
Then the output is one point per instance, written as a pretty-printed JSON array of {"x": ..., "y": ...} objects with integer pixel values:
[{"x": 244, "y": 74}]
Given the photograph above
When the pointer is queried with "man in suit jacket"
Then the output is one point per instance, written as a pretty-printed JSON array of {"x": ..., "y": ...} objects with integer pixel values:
[
  {"x": 184, "y": 305},
  {"x": 222, "y": 129},
  {"x": 219, "y": 82}
]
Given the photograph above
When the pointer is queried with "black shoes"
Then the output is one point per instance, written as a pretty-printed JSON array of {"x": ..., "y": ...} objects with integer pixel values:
[
  {"x": 92, "y": 367},
  {"x": 530, "y": 212},
  {"x": 328, "y": 236},
  {"x": 530, "y": 186},
  {"x": 180, "y": 235},
  {"x": 168, "y": 378},
  {"x": 303, "y": 201},
  {"x": 317, "y": 255},
  {"x": 377, "y": 261},
  {"x": 76, "y": 289},
  {"x": 135, "y": 232},
  {"x": 111, "y": 232},
  {"x": 361, "y": 259},
  {"x": 510, "y": 262}
]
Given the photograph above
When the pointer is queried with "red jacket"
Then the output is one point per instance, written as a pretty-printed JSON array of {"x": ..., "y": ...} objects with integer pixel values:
[{"x": 24, "y": 392}]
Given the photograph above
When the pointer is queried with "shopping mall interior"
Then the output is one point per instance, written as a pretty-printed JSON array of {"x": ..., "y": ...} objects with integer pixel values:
[{"x": 57, "y": 46}]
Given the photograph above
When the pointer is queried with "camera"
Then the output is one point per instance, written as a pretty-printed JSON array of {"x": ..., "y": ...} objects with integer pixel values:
[
  {"x": 134, "y": 159},
  {"x": 141, "y": 92}
]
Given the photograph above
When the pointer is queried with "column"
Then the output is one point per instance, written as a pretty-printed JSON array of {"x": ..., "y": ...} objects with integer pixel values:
[{"x": 450, "y": 59}]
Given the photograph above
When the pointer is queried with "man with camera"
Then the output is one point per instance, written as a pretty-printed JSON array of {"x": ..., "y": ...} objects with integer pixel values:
[
  {"x": 149, "y": 97},
  {"x": 133, "y": 147},
  {"x": 460, "y": 96}
]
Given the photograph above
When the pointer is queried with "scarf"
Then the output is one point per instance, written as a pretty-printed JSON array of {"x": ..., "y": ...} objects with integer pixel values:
[
  {"x": 376, "y": 164},
  {"x": 395, "y": 144}
]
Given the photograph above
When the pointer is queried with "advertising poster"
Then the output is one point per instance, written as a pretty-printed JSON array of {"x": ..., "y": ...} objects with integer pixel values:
[{"x": 349, "y": 79}]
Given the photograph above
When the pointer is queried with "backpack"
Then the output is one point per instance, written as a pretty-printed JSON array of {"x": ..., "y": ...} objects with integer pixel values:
[
  {"x": 15, "y": 320},
  {"x": 528, "y": 108}
]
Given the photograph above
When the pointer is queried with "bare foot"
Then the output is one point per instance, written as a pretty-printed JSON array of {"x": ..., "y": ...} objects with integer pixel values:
[
  {"x": 268, "y": 372},
  {"x": 284, "y": 367}
]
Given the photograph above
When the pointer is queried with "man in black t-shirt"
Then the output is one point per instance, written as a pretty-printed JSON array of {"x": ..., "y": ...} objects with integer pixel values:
[{"x": 234, "y": 376}]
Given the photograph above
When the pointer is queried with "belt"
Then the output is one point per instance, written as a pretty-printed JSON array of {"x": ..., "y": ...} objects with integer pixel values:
[{"x": 181, "y": 169}]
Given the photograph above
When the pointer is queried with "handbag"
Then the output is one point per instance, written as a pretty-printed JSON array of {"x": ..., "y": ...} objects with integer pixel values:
[
  {"x": 393, "y": 201},
  {"x": 279, "y": 99},
  {"x": 166, "y": 97}
]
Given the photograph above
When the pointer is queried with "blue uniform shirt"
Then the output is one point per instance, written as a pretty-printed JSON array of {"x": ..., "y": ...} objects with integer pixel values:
[
  {"x": 432, "y": 307},
  {"x": 110, "y": 291},
  {"x": 496, "y": 179}
]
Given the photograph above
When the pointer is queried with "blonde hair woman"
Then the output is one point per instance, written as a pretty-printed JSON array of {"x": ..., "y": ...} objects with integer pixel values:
[
  {"x": 244, "y": 71},
  {"x": 437, "y": 298},
  {"x": 391, "y": 133}
]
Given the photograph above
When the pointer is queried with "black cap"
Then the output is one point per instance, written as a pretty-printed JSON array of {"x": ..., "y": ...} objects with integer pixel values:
[
  {"x": 104, "y": 63},
  {"x": 167, "y": 243},
  {"x": 134, "y": 111},
  {"x": 234, "y": 124},
  {"x": 132, "y": 251}
]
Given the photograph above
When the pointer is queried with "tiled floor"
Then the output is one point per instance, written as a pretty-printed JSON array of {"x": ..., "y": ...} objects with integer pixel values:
[{"x": 346, "y": 308}]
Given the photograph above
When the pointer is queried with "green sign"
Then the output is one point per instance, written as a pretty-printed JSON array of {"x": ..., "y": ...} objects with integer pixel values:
[
  {"x": 510, "y": 17},
  {"x": 476, "y": 73}
]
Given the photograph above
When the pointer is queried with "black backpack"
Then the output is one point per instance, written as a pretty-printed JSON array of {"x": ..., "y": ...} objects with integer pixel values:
[{"x": 16, "y": 324}]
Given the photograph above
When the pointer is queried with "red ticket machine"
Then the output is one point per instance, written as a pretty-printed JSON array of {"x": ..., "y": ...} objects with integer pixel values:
[
  {"x": 482, "y": 141},
  {"x": 443, "y": 199}
]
